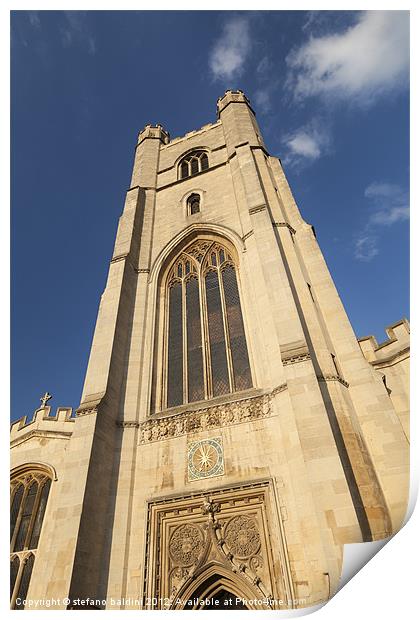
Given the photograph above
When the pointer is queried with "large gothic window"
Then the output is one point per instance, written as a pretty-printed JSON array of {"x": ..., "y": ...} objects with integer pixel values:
[
  {"x": 205, "y": 350},
  {"x": 29, "y": 496},
  {"x": 194, "y": 162}
]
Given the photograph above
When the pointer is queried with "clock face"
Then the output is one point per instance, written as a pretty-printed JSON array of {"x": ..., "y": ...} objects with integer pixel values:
[{"x": 205, "y": 459}]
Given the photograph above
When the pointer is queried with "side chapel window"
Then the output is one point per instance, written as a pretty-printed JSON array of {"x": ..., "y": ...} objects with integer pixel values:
[
  {"x": 29, "y": 496},
  {"x": 206, "y": 350},
  {"x": 194, "y": 162}
]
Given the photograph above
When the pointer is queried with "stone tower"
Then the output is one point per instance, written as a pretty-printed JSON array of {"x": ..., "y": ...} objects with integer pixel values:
[{"x": 231, "y": 435}]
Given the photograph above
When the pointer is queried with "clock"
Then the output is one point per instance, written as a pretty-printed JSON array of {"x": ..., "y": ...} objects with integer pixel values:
[{"x": 205, "y": 459}]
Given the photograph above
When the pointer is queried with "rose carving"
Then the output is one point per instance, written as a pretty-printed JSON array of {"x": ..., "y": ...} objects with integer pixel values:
[
  {"x": 186, "y": 545},
  {"x": 242, "y": 537}
]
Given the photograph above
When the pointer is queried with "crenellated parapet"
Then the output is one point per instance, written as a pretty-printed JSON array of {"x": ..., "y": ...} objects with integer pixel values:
[
  {"x": 232, "y": 96},
  {"x": 192, "y": 134},
  {"x": 43, "y": 423},
  {"x": 397, "y": 344},
  {"x": 391, "y": 359},
  {"x": 156, "y": 132}
]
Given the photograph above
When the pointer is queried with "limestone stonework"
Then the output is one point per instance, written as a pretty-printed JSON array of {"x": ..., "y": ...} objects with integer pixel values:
[{"x": 211, "y": 475}]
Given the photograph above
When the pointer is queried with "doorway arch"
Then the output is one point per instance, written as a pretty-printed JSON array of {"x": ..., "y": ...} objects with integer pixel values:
[{"x": 216, "y": 587}]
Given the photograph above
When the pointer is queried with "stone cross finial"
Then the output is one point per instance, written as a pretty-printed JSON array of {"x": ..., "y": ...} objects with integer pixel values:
[{"x": 44, "y": 399}]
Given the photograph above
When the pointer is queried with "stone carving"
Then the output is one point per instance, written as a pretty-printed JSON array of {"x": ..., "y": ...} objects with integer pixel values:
[
  {"x": 127, "y": 423},
  {"x": 44, "y": 399},
  {"x": 296, "y": 358},
  {"x": 326, "y": 378},
  {"x": 210, "y": 508},
  {"x": 186, "y": 544},
  {"x": 227, "y": 526},
  {"x": 86, "y": 411},
  {"x": 278, "y": 389},
  {"x": 242, "y": 537},
  {"x": 215, "y": 416},
  {"x": 177, "y": 577},
  {"x": 256, "y": 563}
]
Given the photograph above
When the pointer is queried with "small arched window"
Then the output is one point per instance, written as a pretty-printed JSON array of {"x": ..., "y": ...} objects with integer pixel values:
[
  {"x": 194, "y": 162},
  {"x": 205, "y": 349},
  {"x": 193, "y": 204},
  {"x": 29, "y": 496}
]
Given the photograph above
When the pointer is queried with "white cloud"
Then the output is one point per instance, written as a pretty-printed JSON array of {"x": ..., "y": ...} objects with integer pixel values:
[
  {"x": 34, "y": 19},
  {"x": 262, "y": 100},
  {"x": 370, "y": 58},
  {"x": 390, "y": 216},
  {"x": 390, "y": 202},
  {"x": 264, "y": 67},
  {"x": 304, "y": 145},
  {"x": 231, "y": 50},
  {"x": 390, "y": 205},
  {"x": 365, "y": 247},
  {"x": 307, "y": 143},
  {"x": 379, "y": 190},
  {"x": 76, "y": 31}
]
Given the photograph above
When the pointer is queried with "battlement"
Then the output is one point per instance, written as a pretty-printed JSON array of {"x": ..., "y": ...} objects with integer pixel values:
[
  {"x": 192, "y": 133},
  {"x": 42, "y": 420},
  {"x": 232, "y": 96},
  {"x": 398, "y": 341},
  {"x": 156, "y": 132}
]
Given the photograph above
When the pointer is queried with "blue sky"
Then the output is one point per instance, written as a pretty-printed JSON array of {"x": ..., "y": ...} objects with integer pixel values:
[{"x": 330, "y": 90}]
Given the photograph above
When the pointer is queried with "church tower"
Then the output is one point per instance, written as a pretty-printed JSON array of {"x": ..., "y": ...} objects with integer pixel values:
[{"x": 231, "y": 436}]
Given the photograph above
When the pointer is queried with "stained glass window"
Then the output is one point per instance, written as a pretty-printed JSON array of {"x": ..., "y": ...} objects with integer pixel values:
[
  {"x": 194, "y": 342},
  {"x": 14, "y": 569},
  {"x": 24, "y": 581},
  {"x": 219, "y": 367},
  {"x": 238, "y": 348},
  {"x": 175, "y": 347},
  {"x": 206, "y": 350},
  {"x": 29, "y": 498}
]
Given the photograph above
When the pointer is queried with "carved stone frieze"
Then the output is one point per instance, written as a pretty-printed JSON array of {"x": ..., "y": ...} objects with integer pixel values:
[
  {"x": 86, "y": 411},
  {"x": 128, "y": 423},
  {"x": 296, "y": 359},
  {"x": 215, "y": 416},
  {"x": 294, "y": 352}
]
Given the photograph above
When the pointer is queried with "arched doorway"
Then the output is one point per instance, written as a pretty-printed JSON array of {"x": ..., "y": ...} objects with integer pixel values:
[
  {"x": 216, "y": 593},
  {"x": 219, "y": 590}
]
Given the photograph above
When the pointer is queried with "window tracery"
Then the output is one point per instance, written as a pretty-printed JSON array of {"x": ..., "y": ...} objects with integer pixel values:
[
  {"x": 205, "y": 351},
  {"x": 29, "y": 496},
  {"x": 193, "y": 163}
]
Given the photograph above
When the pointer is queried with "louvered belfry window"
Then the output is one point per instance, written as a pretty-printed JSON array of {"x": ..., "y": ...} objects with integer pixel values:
[
  {"x": 29, "y": 496},
  {"x": 206, "y": 353}
]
